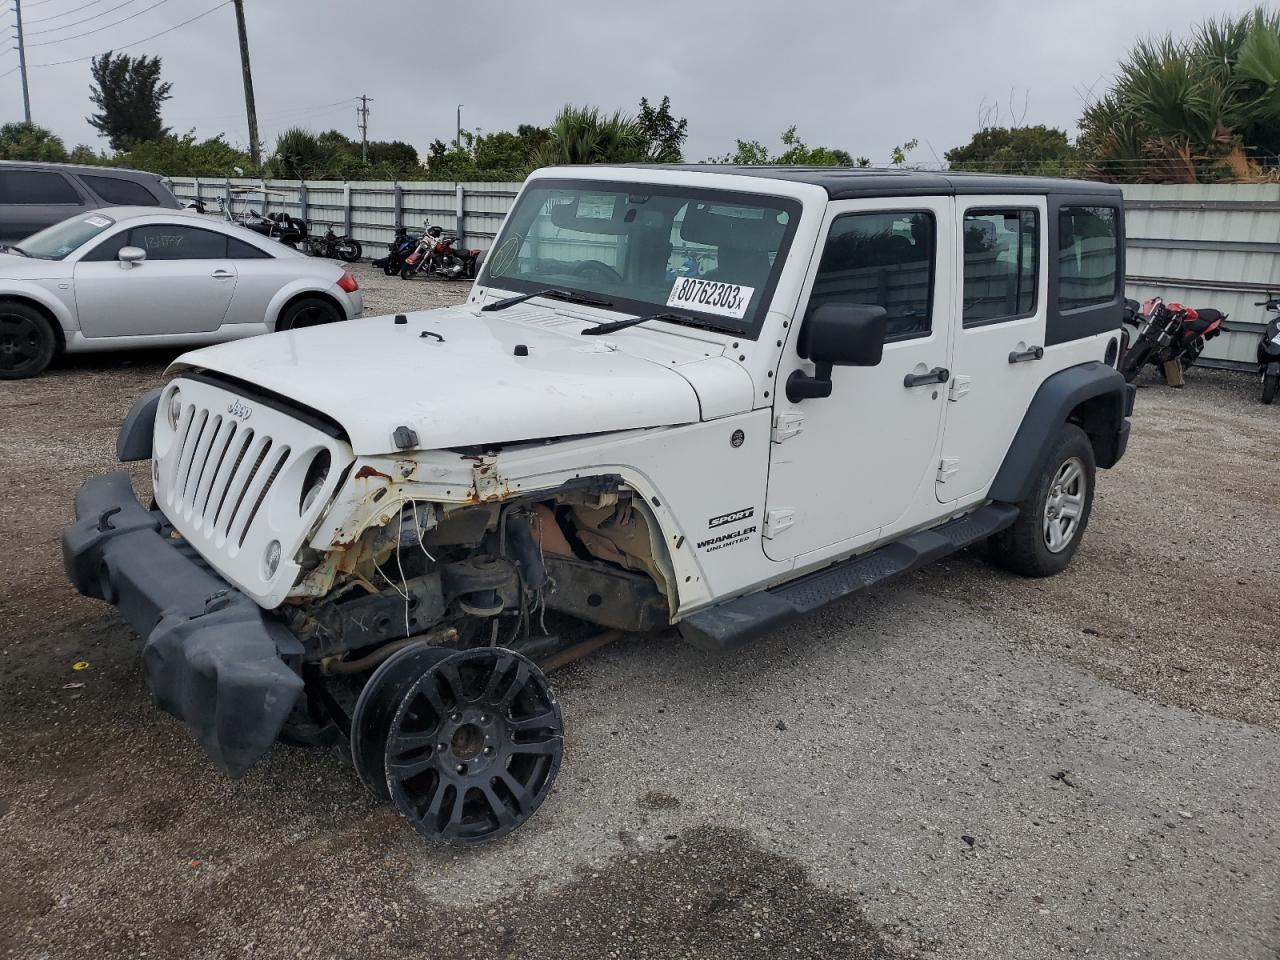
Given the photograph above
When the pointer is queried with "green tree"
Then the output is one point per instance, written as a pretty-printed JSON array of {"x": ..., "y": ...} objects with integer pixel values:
[
  {"x": 1038, "y": 150},
  {"x": 26, "y": 141},
  {"x": 128, "y": 93},
  {"x": 184, "y": 156},
  {"x": 300, "y": 154},
  {"x": 795, "y": 153},
  {"x": 666, "y": 135},
  {"x": 1199, "y": 109},
  {"x": 585, "y": 135}
]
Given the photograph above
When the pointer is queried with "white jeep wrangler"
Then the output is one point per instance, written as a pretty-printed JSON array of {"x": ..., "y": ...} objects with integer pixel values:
[{"x": 713, "y": 398}]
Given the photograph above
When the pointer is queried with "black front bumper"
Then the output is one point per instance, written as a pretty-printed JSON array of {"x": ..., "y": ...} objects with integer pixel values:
[{"x": 211, "y": 658}]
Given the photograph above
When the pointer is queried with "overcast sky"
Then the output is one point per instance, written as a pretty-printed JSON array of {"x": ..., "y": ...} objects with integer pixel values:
[{"x": 861, "y": 76}]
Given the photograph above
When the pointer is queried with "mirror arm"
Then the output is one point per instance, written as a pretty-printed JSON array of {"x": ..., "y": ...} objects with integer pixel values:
[{"x": 802, "y": 386}]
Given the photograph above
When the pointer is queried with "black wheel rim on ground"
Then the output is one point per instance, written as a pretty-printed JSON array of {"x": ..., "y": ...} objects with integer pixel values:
[
  {"x": 475, "y": 746},
  {"x": 21, "y": 343},
  {"x": 348, "y": 250},
  {"x": 377, "y": 706}
]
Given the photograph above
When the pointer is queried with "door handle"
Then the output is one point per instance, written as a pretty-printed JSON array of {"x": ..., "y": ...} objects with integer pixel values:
[
  {"x": 1022, "y": 356},
  {"x": 222, "y": 274},
  {"x": 936, "y": 375}
]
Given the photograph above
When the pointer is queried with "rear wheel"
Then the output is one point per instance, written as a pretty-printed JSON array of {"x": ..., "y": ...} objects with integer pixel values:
[
  {"x": 348, "y": 250},
  {"x": 1270, "y": 386},
  {"x": 308, "y": 312},
  {"x": 27, "y": 342},
  {"x": 1052, "y": 520}
]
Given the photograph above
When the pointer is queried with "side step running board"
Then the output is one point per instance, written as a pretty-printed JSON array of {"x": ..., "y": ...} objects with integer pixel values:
[{"x": 735, "y": 622}]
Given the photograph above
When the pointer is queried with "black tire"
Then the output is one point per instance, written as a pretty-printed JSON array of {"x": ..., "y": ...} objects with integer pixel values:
[
  {"x": 408, "y": 270},
  {"x": 308, "y": 312},
  {"x": 390, "y": 269},
  {"x": 348, "y": 250},
  {"x": 1270, "y": 385},
  {"x": 1135, "y": 359},
  {"x": 27, "y": 342},
  {"x": 1027, "y": 547}
]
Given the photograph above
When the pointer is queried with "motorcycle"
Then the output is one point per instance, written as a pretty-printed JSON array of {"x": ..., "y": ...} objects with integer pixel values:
[
  {"x": 398, "y": 250},
  {"x": 437, "y": 255},
  {"x": 1269, "y": 350},
  {"x": 333, "y": 247},
  {"x": 1168, "y": 332}
]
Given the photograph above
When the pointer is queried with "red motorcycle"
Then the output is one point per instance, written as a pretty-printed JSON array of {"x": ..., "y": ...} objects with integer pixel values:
[
  {"x": 437, "y": 255},
  {"x": 1167, "y": 332}
]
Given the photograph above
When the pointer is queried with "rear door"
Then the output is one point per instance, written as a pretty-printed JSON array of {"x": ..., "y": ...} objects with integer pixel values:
[
  {"x": 999, "y": 322},
  {"x": 846, "y": 467},
  {"x": 185, "y": 284},
  {"x": 31, "y": 200}
]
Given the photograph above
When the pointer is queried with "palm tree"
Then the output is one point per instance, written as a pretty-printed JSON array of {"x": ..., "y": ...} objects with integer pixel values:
[
  {"x": 1203, "y": 109},
  {"x": 585, "y": 135}
]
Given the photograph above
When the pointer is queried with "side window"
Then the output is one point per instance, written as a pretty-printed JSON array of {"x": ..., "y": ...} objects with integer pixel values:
[
  {"x": 108, "y": 249},
  {"x": 885, "y": 259},
  {"x": 30, "y": 187},
  {"x": 119, "y": 192},
  {"x": 1001, "y": 265},
  {"x": 239, "y": 250},
  {"x": 1088, "y": 256},
  {"x": 166, "y": 241}
]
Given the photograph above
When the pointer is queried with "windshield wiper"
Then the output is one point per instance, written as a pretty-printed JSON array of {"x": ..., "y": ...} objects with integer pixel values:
[
  {"x": 11, "y": 248},
  {"x": 603, "y": 328},
  {"x": 553, "y": 292}
]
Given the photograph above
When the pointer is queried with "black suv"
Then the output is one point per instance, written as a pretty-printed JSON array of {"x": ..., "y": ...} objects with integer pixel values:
[{"x": 37, "y": 195}]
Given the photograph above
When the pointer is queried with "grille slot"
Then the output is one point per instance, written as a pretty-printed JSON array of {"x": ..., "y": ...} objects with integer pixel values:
[
  {"x": 262, "y": 495},
  {"x": 243, "y": 483}
]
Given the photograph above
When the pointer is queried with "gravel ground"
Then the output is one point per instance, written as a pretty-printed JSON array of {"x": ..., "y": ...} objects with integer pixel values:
[{"x": 958, "y": 764}]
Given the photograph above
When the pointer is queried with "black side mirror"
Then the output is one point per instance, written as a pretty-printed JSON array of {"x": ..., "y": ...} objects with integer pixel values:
[{"x": 836, "y": 334}]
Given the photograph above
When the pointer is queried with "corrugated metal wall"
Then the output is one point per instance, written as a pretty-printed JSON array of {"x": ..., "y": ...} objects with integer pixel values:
[{"x": 1207, "y": 245}]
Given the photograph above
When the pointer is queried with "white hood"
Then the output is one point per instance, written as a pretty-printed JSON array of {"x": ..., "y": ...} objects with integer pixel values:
[{"x": 374, "y": 375}]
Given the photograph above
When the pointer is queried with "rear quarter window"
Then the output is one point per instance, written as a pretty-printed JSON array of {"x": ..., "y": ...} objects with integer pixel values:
[
  {"x": 118, "y": 191},
  {"x": 1088, "y": 256},
  {"x": 30, "y": 187}
]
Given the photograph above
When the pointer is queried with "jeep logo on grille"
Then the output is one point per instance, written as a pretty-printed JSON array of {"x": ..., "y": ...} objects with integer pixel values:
[{"x": 239, "y": 410}]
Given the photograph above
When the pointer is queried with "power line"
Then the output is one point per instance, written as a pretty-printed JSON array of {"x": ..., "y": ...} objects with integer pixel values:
[
  {"x": 56, "y": 16},
  {"x": 126, "y": 46},
  {"x": 105, "y": 26},
  {"x": 76, "y": 23}
]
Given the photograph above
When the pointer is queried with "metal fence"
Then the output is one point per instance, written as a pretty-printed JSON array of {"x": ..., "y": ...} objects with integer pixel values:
[
  {"x": 366, "y": 210},
  {"x": 1206, "y": 245}
]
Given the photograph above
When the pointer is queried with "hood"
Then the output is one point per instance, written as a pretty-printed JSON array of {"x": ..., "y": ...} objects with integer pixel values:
[
  {"x": 373, "y": 375},
  {"x": 14, "y": 266}
]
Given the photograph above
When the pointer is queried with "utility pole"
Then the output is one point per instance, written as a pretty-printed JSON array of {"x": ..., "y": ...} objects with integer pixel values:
[
  {"x": 255, "y": 148},
  {"x": 363, "y": 111},
  {"x": 22, "y": 59},
  {"x": 457, "y": 139}
]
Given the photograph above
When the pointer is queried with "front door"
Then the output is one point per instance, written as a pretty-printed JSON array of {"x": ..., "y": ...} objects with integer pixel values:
[
  {"x": 183, "y": 286},
  {"x": 999, "y": 337},
  {"x": 844, "y": 468}
]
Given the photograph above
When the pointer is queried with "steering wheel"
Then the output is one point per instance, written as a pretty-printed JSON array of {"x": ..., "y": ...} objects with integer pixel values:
[{"x": 594, "y": 268}]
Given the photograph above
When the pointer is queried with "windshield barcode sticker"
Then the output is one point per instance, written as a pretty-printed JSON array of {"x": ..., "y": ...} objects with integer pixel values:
[{"x": 711, "y": 296}]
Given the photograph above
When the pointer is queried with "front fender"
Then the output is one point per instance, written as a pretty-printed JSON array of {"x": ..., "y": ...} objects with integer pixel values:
[{"x": 27, "y": 290}]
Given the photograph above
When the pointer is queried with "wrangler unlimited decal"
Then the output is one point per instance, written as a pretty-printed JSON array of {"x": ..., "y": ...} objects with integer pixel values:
[{"x": 727, "y": 539}]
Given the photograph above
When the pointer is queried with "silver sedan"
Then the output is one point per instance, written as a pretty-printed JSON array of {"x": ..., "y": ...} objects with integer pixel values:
[{"x": 129, "y": 277}]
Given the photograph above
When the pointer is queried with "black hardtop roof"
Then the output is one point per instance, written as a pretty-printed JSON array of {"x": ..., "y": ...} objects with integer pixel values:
[{"x": 847, "y": 183}]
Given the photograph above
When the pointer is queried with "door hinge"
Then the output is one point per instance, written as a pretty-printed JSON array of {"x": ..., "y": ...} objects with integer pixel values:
[
  {"x": 948, "y": 468},
  {"x": 959, "y": 388},
  {"x": 786, "y": 425},
  {"x": 775, "y": 521}
]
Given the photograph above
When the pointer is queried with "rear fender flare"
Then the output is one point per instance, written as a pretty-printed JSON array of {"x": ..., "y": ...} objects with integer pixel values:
[{"x": 1092, "y": 395}]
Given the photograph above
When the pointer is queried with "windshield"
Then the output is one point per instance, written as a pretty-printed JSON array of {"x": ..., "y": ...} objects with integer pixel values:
[
  {"x": 54, "y": 243},
  {"x": 710, "y": 254}
]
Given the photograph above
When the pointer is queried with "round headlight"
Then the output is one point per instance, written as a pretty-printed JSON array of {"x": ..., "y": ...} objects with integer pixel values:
[
  {"x": 174, "y": 410},
  {"x": 271, "y": 560}
]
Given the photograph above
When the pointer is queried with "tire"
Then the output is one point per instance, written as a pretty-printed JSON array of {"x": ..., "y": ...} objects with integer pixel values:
[
  {"x": 390, "y": 269},
  {"x": 1135, "y": 359},
  {"x": 27, "y": 342},
  {"x": 407, "y": 271},
  {"x": 1270, "y": 385},
  {"x": 348, "y": 250},
  {"x": 308, "y": 312},
  {"x": 1030, "y": 547}
]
